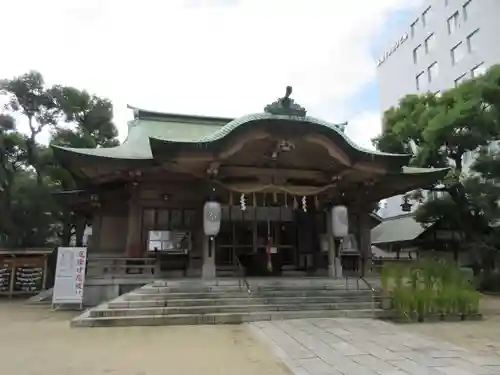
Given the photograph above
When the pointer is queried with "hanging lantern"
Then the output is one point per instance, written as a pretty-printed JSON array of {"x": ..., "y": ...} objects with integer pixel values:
[
  {"x": 211, "y": 218},
  {"x": 406, "y": 205},
  {"x": 243, "y": 203},
  {"x": 304, "y": 203},
  {"x": 340, "y": 221}
]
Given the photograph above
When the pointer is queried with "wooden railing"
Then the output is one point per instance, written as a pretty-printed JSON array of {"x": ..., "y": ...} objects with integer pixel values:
[{"x": 109, "y": 266}]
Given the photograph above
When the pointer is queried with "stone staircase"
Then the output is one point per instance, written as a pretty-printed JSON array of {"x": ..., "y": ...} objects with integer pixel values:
[{"x": 227, "y": 301}]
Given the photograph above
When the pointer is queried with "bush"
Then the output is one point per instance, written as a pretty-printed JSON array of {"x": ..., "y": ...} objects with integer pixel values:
[{"x": 429, "y": 288}]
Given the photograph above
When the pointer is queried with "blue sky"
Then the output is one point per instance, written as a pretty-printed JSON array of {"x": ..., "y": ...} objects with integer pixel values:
[
  {"x": 366, "y": 100},
  {"x": 213, "y": 57}
]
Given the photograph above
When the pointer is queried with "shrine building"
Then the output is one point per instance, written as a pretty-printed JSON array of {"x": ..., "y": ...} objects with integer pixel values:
[{"x": 276, "y": 174}]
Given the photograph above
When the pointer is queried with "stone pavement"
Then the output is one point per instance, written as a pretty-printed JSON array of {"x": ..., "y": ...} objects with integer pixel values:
[{"x": 367, "y": 347}]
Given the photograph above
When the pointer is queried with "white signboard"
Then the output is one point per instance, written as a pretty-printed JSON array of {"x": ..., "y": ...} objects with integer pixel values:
[
  {"x": 394, "y": 47},
  {"x": 70, "y": 275}
]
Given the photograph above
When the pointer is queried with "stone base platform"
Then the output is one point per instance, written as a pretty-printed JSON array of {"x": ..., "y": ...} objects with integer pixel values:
[{"x": 228, "y": 301}]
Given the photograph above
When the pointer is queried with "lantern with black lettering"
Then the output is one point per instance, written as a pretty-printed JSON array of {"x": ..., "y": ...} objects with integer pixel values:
[{"x": 211, "y": 222}]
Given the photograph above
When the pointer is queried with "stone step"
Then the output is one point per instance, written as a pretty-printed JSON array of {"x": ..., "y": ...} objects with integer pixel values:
[
  {"x": 279, "y": 281},
  {"x": 221, "y": 318},
  {"x": 148, "y": 289},
  {"x": 209, "y": 309},
  {"x": 246, "y": 300},
  {"x": 136, "y": 296}
]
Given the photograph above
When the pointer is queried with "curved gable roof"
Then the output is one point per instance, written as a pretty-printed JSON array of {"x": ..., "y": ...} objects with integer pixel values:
[{"x": 151, "y": 133}]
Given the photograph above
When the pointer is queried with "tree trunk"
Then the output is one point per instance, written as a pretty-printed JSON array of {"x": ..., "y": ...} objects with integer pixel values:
[
  {"x": 32, "y": 152},
  {"x": 458, "y": 162},
  {"x": 79, "y": 230},
  {"x": 66, "y": 234}
]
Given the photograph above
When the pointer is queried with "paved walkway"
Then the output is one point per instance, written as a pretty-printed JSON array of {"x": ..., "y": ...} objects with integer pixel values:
[{"x": 368, "y": 347}]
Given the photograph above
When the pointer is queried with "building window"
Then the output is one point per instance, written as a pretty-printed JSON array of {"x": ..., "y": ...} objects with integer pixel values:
[
  {"x": 426, "y": 16},
  {"x": 460, "y": 79},
  {"x": 420, "y": 81},
  {"x": 457, "y": 53},
  {"x": 479, "y": 70},
  {"x": 453, "y": 23},
  {"x": 468, "y": 9},
  {"x": 417, "y": 52},
  {"x": 433, "y": 71},
  {"x": 429, "y": 43},
  {"x": 413, "y": 28},
  {"x": 472, "y": 41},
  {"x": 446, "y": 3}
]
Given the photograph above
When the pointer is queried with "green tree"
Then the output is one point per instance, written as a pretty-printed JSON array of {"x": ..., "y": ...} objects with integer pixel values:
[
  {"x": 441, "y": 131},
  {"x": 27, "y": 95},
  {"x": 91, "y": 117},
  {"x": 12, "y": 158},
  {"x": 29, "y": 174},
  {"x": 90, "y": 120}
]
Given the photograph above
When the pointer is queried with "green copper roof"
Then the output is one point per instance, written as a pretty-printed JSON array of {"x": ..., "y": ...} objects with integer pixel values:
[
  {"x": 151, "y": 133},
  {"x": 336, "y": 128},
  {"x": 297, "y": 126},
  {"x": 136, "y": 145}
]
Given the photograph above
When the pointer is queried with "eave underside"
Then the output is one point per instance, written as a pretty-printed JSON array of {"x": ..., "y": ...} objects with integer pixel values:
[{"x": 284, "y": 157}]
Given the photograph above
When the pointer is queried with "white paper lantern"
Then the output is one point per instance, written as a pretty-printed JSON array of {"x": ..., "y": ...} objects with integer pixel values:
[
  {"x": 340, "y": 221},
  {"x": 211, "y": 218}
]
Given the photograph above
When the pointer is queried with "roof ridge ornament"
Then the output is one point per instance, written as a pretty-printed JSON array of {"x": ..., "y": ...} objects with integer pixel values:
[
  {"x": 285, "y": 106},
  {"x": 342, "y": 126}
]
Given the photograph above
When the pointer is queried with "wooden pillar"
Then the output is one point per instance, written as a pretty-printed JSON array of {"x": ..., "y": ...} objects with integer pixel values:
[
  {"x": 365, "y": 241},
  {"x": 331, "y": 246},
  {"x": 79, "y": 228},
  {"x": 133, "y": 247},
  {"x": 95, "y": 241},
  {"x": 45, "y": 269}
]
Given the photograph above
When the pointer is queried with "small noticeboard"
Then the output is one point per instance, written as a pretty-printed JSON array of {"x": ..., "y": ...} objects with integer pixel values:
[{"x": 70, "y": 276}]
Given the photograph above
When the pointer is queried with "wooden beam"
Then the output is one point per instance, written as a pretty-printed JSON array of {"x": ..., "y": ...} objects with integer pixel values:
[
  {"x": 334, "y": 151},
  {"x": 241, "y": 141},
  {"x": 369, "y": 168},
  {"x": 192, "y": 168},
  {"x": 278, "y": 172}
]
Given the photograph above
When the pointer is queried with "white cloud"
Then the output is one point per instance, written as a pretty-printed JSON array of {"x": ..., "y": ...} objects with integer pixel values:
[
  {"x": 218, "y": 57},
  {"x": 363, "y": 128}
]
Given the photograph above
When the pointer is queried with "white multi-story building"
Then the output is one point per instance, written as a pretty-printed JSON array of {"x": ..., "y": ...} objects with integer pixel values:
[{"x": 447, "y": 42}]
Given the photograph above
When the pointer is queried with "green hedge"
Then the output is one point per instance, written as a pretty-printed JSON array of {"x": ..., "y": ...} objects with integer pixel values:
[{"x": 429, "y": 288}]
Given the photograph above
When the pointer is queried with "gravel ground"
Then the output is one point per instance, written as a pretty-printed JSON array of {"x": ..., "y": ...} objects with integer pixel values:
[{"x": 38, "y": 341}]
